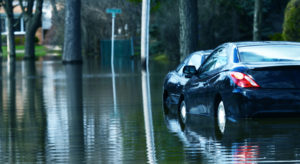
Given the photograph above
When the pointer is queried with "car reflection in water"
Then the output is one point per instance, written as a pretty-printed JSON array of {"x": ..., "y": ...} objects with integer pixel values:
[{"x": 249, "y": 141}]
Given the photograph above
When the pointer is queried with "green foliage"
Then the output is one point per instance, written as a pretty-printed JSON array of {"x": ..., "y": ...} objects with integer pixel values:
[
  {"x": 276, "y": 37},
  {"x": 164, "y": 30},
  {"x": 155, "y": 4},
  {"x": 232, "y": 20},
  {"x": 291, "y": 25},
  {"x": 135, "y": 1},
  {"x": 39, "y": 51},
  {"x": 161, "y": 58},
  {"x": 19, "y": 40},
  {"x": 3, "y": 37},
  {"x": 36, "y": 40},
  {"x": 155, "y": 44}
]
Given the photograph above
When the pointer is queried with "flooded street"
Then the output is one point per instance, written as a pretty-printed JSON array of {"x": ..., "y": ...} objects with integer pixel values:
[{"x": 82, "y": 114}]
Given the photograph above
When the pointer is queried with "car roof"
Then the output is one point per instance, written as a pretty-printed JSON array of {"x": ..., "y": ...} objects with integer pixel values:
[
  {"x": 203, "y": 52},
  {"x": 262, "y": 43}
]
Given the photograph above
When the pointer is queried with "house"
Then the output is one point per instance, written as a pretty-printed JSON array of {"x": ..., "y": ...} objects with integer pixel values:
[{"x": 20, "y": 24}]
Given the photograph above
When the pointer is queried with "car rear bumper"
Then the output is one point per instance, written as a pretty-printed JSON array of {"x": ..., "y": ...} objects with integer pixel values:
[{"x": 263, "y": 102}]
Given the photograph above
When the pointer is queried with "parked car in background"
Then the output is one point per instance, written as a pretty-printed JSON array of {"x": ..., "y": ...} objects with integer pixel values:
[
  {"x": 176, "y": 79},
  {"x": 245, "y": 79}
]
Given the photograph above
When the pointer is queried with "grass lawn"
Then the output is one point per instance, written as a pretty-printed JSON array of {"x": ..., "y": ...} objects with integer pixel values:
[{"x": 20, "y": 50}]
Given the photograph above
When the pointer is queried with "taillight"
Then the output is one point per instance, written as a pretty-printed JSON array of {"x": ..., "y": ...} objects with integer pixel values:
[{"x": 243, "y": 80}]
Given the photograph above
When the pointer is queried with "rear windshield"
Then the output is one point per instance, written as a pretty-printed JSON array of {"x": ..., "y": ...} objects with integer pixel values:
[{"x": 270, "y": 53}]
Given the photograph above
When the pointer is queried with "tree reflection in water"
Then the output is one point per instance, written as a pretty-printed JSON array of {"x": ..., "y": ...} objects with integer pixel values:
[
  {"x": 22, "y": 114},
  {"x": 1, "y": 88},
  {"x": 75, "y": 112},
  {"x": 65, "y": 114},
  {"x": 11, "y": 110}
]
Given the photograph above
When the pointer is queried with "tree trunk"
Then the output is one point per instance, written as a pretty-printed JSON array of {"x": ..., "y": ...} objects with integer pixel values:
[
  {"x": 32, "y": 22},
  {"x": 75, "y": 111},
  {"x": 29, "y": 44},
  {"x": 188, "y": 38},
  {"x": 55, "y": 11},
  {"x": 257, "y": 18},
  {"x": 11, "y": 50},
  {"x": 1, "y": 52},
  {"x": 85, "y": 39},
  {"x": 72, "y": 40}
]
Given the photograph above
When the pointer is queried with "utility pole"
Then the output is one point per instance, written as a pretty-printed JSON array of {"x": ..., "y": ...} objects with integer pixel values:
[{"x": 145, "y": 35}]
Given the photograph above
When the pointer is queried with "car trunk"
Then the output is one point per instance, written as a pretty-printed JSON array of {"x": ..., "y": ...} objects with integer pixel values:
[{"x": 276, "y": 75}]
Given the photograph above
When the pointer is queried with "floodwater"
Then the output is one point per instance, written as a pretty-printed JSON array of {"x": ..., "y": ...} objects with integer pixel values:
[{"x": 54, "y": 113}]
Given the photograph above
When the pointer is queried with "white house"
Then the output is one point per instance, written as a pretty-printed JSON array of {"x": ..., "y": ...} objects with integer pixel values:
[{"x": 19, "y": 21}]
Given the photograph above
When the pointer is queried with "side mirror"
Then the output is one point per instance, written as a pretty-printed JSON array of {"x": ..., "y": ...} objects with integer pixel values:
[{"x": 189, "y": 71}]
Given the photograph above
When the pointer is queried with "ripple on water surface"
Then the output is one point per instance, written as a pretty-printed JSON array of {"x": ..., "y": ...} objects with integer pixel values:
[{"x": 67, "y": 114}]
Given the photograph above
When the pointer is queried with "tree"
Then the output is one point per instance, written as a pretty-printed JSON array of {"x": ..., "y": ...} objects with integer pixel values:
[
  {"x": 257, "y": 18},
  {"x": 1, "y": 52},
  {"x": 11, "y": 49},
  {"x": 188, "y": 38},
  {"x": 32, "y": 23},
  {"x": 55, "y": 35},
  {"x": 55, "y": 11},
  {"x": 165, "y": 36},
  {"x": 96, "y": 23},
  {"x": 291, "y": 25},
  {"x": 72, "y": 40}
]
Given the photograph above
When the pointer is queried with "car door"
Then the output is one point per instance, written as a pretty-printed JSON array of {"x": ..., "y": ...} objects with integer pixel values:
[
  {"x": 198, "y": 90},
  {"x": 176, "y": 80},
  {"x": 213, "y": 79}
]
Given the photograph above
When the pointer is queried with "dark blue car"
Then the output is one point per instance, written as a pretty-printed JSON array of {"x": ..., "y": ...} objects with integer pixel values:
[
  {"x": 244, "y": 79},
  {"x": 176, "y": 79}
]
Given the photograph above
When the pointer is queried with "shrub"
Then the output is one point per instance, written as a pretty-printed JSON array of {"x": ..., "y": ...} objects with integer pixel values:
[
  {"x": 3, "y": 40},
  {"x": 291, "y": 24},
  {"x": 36, "y": 40},
  {"x": 276, "y": 37},
  {"x": 19, "y": 40}
]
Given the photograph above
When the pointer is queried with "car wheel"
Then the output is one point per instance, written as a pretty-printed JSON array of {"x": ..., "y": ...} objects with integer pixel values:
[
  {"x": 221, "y": 117},
  {"x": 182, "y": 112}
]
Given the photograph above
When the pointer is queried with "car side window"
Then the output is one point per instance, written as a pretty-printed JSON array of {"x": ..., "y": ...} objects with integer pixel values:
[
  {"x": 221, "y": 59},
  {"x": 195, "y": 60},
  {"x": 210, "y": 62},
  {"x": 216, "y": 60}
]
